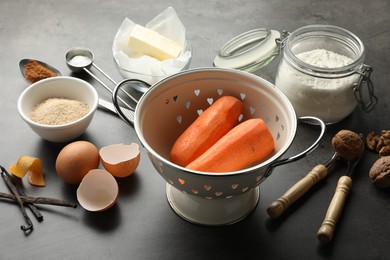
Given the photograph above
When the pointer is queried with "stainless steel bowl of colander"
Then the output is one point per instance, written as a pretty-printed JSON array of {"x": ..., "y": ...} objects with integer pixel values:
[{"x": 172, "y": 104}]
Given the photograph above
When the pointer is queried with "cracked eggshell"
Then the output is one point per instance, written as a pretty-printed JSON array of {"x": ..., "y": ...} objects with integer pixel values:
[
  {"x": 98, "y": 191},
  {"x": 119, "y": 159}
]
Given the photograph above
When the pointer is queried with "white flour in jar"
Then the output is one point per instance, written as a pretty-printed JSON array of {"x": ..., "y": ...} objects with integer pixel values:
[
  {"x": 330, "y": 99},
  {"x": 324, "y": 59}
]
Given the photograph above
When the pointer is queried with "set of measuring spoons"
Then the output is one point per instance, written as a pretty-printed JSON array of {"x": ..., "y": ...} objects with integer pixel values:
[{"x": 82, "y": 59}]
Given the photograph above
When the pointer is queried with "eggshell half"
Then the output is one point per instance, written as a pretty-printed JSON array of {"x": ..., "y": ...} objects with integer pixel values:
[
  {"x": 119, "y": 159},
  {"x": 98, "y": 191}
]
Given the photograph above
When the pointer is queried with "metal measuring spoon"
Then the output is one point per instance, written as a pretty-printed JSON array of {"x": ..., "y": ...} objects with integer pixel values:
[
  {"x": 24, "y": 62},
  {"x": 81, "y": 59}
]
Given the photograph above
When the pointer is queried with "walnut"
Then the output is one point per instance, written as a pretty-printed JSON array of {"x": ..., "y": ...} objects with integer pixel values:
[
  {"x": 384, "y": 151},
  {"x": 348, "y": 144},
  {"x": 380, "y": 172},
  {"x": 372, "y": 140},
  {"x": 379, "y": 143}
]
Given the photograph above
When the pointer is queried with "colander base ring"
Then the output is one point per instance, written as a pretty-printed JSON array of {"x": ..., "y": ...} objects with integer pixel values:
[{"x": 212, "y": 212}]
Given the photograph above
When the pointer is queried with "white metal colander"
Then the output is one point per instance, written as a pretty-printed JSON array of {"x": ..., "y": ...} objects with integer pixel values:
[{"x": 172, "y": 104}]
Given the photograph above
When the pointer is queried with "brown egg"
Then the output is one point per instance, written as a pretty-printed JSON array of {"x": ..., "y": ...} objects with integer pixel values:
[
  {"x": 75, "y": 160},
  {"x": 119, "y": 159}
]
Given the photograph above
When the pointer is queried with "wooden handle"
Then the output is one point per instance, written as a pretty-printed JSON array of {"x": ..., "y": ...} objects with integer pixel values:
[
  {"x": 276, "y": 208},
  {"x": 326, "y": 231}
]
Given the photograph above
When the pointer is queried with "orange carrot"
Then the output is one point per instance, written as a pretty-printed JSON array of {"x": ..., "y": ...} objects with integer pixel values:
[
  {"x": 247, "y": 143},
  {"x": 206, "y": 130}
]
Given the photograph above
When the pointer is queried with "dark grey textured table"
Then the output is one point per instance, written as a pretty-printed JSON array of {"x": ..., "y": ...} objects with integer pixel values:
[{"x": 142, "y": 225}]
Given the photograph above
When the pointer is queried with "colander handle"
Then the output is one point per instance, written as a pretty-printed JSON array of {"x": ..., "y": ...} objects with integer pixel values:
[
  {"x": 309, "y": 120},
  {"x": 126, "y": 114}
]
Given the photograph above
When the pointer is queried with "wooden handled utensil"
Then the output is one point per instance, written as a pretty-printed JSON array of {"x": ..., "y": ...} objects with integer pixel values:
[
  {"x": 344, "y": 185},
  {"x": 276, "y": 208},
  {"x": 346, "y": 144}
]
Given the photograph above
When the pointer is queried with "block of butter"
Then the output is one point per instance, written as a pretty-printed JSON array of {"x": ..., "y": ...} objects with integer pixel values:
[{"x": 153, "y": 44}]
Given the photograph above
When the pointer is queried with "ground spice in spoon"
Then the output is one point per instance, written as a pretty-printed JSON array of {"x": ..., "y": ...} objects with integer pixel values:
[
  {"x": 58, "y": 111},
  {"x": 34, "y": 71}
]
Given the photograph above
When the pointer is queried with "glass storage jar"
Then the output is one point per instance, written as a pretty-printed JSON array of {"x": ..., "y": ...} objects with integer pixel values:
[
  {"x": 327, "y": 84},
  {"x": 329, "y": 91}
]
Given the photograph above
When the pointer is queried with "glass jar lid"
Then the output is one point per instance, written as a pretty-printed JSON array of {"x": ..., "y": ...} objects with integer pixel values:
[{"x": 249, "y": 51}]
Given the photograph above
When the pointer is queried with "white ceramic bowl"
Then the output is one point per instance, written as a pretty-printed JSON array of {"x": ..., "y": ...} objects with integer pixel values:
[{"x": 60, "y": 87}]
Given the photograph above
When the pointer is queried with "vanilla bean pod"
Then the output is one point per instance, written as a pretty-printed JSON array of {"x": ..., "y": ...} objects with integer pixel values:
[
  {"x": 39, "y": 200},
  {"x": 10, "y": 185},
  {"x": 31, "y": 206}
]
